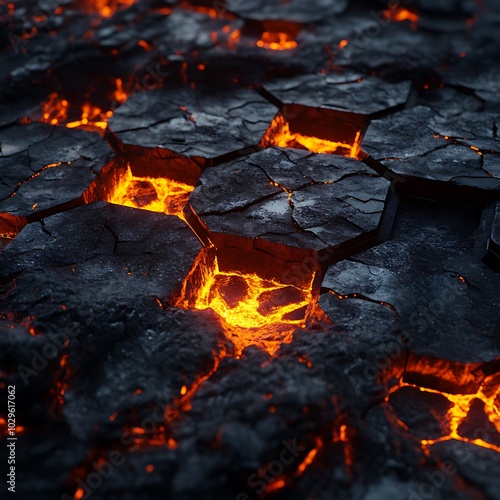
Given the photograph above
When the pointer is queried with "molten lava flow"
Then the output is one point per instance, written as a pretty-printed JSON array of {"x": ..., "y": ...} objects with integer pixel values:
[
  {"x": 279, "y": 134},
  {"x": 488, "y": 394},
  {"x": 56, "y": 110},
  {"x": 151, "y": 193},
  {"x": 254, "y": 311},
  {"x": 276, "y": 41}
]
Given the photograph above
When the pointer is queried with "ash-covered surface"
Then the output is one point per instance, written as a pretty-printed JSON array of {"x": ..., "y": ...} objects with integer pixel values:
[{"x": 389, "y": 387}]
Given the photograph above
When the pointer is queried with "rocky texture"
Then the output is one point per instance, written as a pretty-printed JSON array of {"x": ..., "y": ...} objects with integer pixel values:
[
  {"x": 292, "y": 197},
  {"x": 113, "y": 253},
  {"x": 204, "y": 124},
  {"x": 431, "y": 273},
  {"x": 354, "y": 93},
  {"x": 294, "y": 10},
  {"x": 45, "y": 169},
  {"x": 113, "y": 380},
  {"x": 442, "y": 148}
]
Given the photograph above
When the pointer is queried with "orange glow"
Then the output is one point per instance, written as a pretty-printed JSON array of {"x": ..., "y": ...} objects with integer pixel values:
[
  {"x": 79, "y": 493},
  {"x": 150, "y": 468},
  {"x": 276, "y": 41},
  {"x": 309, "y": 458},
  {"x": 91, "y": 116},
  {"x": 461, "y": 405},
  {"x": 106, "y": 8},
  {"x": 156, "y": 194},
  {"x": 120, "y": 95},
  {"x": 55, "y": 110},
  {"x": 254, "y": 311},
  {"x": 401, "y": 15},
  {"x": 343, "y": 44},
  {"x": 279, "y": 134},
  {"x": 276, "y": 485},
  {"x": 233, "y": 39}
]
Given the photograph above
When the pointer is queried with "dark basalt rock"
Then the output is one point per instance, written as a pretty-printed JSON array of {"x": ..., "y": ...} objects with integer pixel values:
[
  {"x": 279, "y": 195},
  {"x": 100, "y": 250},
  {"x": 204, "y": 124},
  {"x": 432, "y": 274},
  {"x": 104, "y": 362},
  {"x": 440, "y": 147},
  {"x": 146, "y": 359},
  {"x": 294, "y": 10},
  {"x": 46, "y": 169},
  {"x": 424, "y": 413},
  {"x": 358, "y": 94}
]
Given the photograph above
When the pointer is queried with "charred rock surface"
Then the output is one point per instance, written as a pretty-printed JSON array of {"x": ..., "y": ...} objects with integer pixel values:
[
  {"x": 292, "y": 197},
  {"x": 333, "y": 332},
  {"x": 118, "y": 253},
  {"x": 438, "y": 259},
  {"x": 350, "y": 92},
  {"x": 204, "y": 124},
  {"x": 45, "y": 169}
]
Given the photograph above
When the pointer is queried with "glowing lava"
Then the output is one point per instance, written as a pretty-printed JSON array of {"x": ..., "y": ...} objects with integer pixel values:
[
  {"x": 254, "y": 311},
  {"x": 276, "y": 41},
  {"x": 56, "y": 110},
  {"x": 106, "y": 8},
  {"x": 459, "y": 412},
  {"x": 402, "y": 15},
  {"x": 157, "y": 194},
  {"x": 279, "y": 134}
]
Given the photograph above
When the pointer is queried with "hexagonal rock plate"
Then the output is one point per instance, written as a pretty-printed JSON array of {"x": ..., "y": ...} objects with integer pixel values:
[
  {"x": 44, "y": 169},
  {"x": 100, "y": 251},
  {"x": 204, "y": 124},
  {"x": 292, "y": 197},
  {"x": 349, "y": 92},
  {"x": 293, "y": 10},
  {"x": 432, "y": 274},
  {"x": 419, "y": 142}
]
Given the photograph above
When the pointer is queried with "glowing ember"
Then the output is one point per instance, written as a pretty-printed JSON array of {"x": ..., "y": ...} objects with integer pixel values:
[
  {"x": 488, "y": 394},
  {"x": 56, "y": 110},
  {"x": 401, "y": 15},
  {"x": 254, "y": 311},
  {"x": 279, "y": 134},
  {"x": 276, "y": 41},
  {"x": 106, "y": 8},
  {"x": 151, "y": 193}
]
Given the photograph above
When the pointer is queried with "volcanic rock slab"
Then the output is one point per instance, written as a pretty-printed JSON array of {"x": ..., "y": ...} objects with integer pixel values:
[
  {"x": 45, "y": 169},
  {"x": 115, "y": 254},
  {"x": 433, "y": 276},
  {"x": 351, "y": 92},
  {"x": 204, "y": 124},
  {"x": 294, "y": 10},
  {"x": 292, "y": 197},
  {"x": 441, "y": 148}
]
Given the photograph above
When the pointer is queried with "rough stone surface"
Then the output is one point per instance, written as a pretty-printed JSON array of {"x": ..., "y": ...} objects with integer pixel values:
[
  {"x": 45, "y": 168},
  {"x": 390, "y": 388},
  {"x": 202, "y": 123},
  {"x": 440, "y": 147},
  {"x": 291, "y": 197},
  {"x": 97, "y": 252},
  {"x": 431, "y": 273},
  {"x": 295, "y": 10},
  {"x": 359, "y": 94}
]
